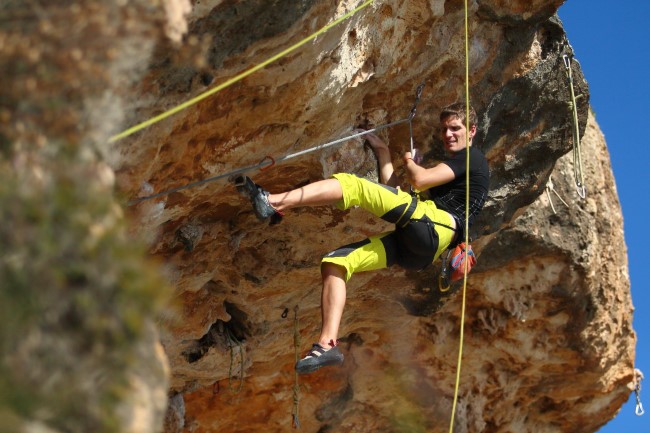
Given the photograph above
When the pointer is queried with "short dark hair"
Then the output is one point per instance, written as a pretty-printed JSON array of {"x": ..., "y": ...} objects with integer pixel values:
[{"x": 459, "y": 109}]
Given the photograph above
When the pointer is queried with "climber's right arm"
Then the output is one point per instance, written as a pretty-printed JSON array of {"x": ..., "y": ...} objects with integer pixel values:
[{"x": 387, "y": 174}]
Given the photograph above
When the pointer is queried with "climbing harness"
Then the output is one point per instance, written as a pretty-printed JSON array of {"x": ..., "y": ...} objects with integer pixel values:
[
  {"x": 464, "y": 298},
  {"x": 550, "y": 188},
  {"x": 232, "y": 342},
  {"x": 235, "y": 79},
  {"x": 577, "y": 156},
  {"x": 268, "y": 161},
  {"x": 296, "y": 386},
  {"x": 638, "y": 377}
]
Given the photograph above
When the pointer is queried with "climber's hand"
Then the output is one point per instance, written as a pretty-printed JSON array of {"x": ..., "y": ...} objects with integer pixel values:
[{"x": 375, "y": 142}]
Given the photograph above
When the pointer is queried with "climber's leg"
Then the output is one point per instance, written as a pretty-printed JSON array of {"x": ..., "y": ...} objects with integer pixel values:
[
  {"x": 376, "y": 252},
  {"x": 325, "y": 352},
  {"x": 319, "y": 193}
]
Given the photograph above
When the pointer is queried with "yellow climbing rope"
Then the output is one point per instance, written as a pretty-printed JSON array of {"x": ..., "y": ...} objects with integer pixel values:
[
  {"x": 462, "y": 314},
  {"x": 234, "y": 79}
]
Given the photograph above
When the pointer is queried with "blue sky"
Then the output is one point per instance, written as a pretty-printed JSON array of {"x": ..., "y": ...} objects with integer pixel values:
[{"x": 611, "y": 41}]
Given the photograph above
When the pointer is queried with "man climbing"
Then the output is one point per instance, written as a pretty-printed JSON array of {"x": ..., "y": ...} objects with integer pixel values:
[{"x": 425, "y": 225}]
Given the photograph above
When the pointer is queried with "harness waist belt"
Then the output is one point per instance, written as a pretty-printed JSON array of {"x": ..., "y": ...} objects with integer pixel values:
[{"x": 408, "y": 213}]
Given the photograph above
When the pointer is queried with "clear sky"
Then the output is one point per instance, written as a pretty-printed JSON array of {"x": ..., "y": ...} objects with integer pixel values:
[{"x": 611, "y": 40}]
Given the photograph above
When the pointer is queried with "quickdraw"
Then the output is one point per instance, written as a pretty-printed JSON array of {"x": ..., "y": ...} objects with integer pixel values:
[
  {"x": 443, "y": 279},
  {"x": 232, "y": 342},
  {"x": 638, "y": 377},
  {"x": 418, "y": 94},
  {"x": 577, "y": 156},
  {"x": 296, "y": 386},
  {"x": 416, "y": 158}
]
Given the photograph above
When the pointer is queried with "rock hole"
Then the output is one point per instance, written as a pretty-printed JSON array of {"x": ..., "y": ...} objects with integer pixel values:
[
  {"x": 189, "y": 235},
  {"x": 221, "y": 335},
  {"x": 206, "y": 79}
]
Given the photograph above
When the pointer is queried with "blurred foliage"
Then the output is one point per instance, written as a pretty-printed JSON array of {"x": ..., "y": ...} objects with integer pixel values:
[{"x": 77, "y": 294}]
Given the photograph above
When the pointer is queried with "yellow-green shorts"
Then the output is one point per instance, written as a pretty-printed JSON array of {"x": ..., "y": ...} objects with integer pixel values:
[{"x": 417, "y": 241}]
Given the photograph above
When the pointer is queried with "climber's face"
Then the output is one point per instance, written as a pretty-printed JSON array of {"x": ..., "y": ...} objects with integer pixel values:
[{"x": 453, "y": 133}]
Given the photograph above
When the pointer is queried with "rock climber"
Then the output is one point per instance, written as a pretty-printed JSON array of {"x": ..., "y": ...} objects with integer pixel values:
[{"x": 426, "y": 224}]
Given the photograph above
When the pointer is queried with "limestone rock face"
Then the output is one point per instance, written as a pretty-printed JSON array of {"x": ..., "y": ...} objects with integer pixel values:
[
  {"x": 548, "y": 344},
  {"x": 548, "y": 340}
]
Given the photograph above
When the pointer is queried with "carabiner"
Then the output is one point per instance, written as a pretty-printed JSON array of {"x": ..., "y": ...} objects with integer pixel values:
[
  {"x": 443, "y": 283},
  {"x": 261, "y": 163},
  {"x": 418, "y": 94},
  {"x": 582, "y": 191},
  {"x": 638, "y": 377},
  {"x": 638, "y": 411}
]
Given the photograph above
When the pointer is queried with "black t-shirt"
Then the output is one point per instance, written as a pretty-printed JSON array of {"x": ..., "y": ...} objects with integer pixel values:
[{"x": 451, "y": 196}]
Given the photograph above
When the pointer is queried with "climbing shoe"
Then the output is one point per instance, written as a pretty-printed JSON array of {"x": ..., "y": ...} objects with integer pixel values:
[
  {"x": 319, "y": 357},
  {"x": 259, "y": 199}
]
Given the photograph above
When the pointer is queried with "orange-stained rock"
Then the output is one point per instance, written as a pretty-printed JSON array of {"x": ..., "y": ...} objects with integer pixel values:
[{"x": 548, "y": 338}]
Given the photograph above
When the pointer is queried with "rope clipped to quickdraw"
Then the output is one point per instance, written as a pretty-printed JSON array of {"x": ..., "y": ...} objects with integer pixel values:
[
  {"x": 551, "y": 188},
  {"x": 232, "y": 342},
  {"x": 577, "y": 156},
  {"x": 464, "y": 298},
  {"x": 268, "y": 161},
  {"x": 418, "y": 94},
  {"x": 296, "y": 386},
  {"x": 416, "y": 157},
  {"x": 638, "y": 377}
]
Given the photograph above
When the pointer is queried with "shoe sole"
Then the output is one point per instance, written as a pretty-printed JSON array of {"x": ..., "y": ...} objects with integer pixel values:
[{"x": 310, "y": 365}]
